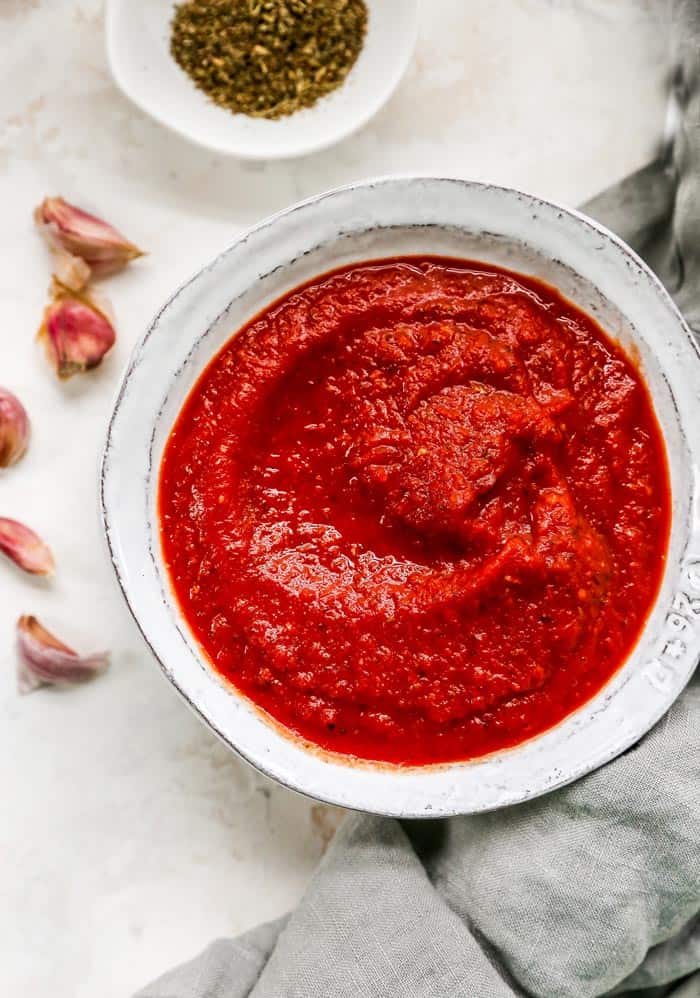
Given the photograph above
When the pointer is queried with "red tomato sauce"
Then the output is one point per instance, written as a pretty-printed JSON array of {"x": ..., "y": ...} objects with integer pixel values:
[{"x": 417, "y": 510}]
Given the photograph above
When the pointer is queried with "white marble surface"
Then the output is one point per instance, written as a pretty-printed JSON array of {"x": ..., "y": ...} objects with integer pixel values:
[{"x": 129, "y": 838}]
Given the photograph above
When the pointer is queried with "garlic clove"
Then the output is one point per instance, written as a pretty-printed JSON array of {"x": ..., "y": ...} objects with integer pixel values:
[
  {"x": 25, "y": 548},
  {"x": 46, "y": 661},
  {"x": 14, "y": 429},
  {"x": 77, "y": 331},
  {"x": 102, "y": 247}
]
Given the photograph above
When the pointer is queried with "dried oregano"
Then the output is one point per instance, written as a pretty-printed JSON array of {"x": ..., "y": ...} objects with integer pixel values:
[{"x": 268, "y": 58}]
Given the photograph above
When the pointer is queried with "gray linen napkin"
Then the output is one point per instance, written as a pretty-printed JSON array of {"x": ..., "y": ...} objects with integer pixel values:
[{"x": 592, "y": 890}]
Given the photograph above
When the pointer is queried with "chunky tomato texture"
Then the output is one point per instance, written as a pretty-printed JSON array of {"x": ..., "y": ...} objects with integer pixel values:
[{"x": 417, "y": 510}]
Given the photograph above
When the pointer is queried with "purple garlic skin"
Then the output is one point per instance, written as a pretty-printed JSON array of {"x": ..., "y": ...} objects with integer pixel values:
[
  {"x": 76, "y": 331},
  {"x": 46, "y": 661},
  {"x": 25, "y": 548},
  {"x": 84, "y": 245},
  {"x": 14, "y": 429}
]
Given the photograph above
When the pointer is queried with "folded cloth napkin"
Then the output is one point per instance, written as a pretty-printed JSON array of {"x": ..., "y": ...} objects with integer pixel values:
[{"x": 592, "y": 890}]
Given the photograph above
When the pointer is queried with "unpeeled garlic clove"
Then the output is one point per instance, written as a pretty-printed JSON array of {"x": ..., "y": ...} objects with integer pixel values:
[
  {"x": 78, "y": 234},
  {"x": 14, "y": 429},
  {"x": 25, "y": 548},
  {"x": 77, "y": 332},
  {"x": 46, "y": 661}
]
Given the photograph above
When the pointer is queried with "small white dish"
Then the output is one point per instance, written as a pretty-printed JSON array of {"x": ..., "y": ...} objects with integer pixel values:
[
  {"x": 384, "y": 218},
  {"x": 138, "y": 38}
]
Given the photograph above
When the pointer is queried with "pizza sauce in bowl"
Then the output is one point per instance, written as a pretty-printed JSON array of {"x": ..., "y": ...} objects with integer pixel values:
[{"x": 417, "y": 510}]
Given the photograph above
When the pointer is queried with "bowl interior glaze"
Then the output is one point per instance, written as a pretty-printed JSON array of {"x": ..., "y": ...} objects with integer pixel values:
[{"x": 377, "y": 219}]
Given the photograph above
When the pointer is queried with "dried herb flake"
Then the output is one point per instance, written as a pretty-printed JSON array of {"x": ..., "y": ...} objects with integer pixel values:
[{"x": 268, "y": 58}]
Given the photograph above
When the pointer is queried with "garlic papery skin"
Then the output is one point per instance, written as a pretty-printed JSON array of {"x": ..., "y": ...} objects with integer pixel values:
[
  {"x": 25, "y": 548},
  {"x": 70, "y": 271},
  {"x": 14, "y": 429},
  {"x": 102, "y": 247},
  {"x": 46, "y": 661},
  {"x": 77, "y": 333}
]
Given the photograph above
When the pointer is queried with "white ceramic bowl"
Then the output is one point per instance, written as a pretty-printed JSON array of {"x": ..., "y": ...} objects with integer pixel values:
[
  {"x": 384, "y": 218},
  {"x": 138, "y": 37}
]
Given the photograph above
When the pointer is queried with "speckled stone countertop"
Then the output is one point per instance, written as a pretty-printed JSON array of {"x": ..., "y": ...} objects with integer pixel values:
[{"x": 129, "y": 837}]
